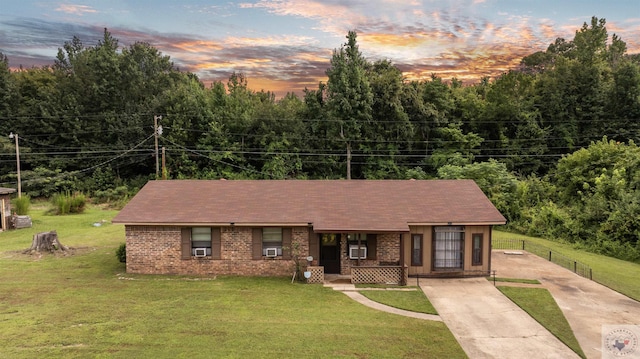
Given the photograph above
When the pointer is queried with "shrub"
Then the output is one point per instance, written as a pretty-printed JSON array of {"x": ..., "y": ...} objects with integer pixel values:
[
  {"x": 22, "y": 205},
  {"x": 45, "y": 182},
  {"x": 112, "y": 195},
  {"x": 60, "y": 204},
  {"x": 67, "y": 203},
  {"x": 121, "y": 253}
]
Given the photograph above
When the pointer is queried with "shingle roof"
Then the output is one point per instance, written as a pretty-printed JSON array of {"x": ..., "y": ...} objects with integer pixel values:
[
  {"x": 329, "y": 205},
  {"x": 4, "y": 190}
]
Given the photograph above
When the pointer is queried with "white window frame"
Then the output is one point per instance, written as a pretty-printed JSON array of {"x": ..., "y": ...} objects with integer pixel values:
[
  {"x": 352, "y": 242},
  {"x": 354, "y": 247},
  {"x": 199, "y": 240},
  {"x": 272, "y": 238}
]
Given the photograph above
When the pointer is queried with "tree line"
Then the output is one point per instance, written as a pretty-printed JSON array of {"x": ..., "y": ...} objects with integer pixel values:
[{"x": 551, "y": 142}]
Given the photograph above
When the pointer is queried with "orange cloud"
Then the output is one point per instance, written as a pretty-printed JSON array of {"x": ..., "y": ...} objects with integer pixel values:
[
  {"x": 629, "y": 33},
  {"x": 395, "y": 40},
  {"x": 311, "y": 57},
  {"x": 305, "y": 8},
  {"x": 75, "y": 9},
  {"x": 548, "y": 31},
  {"x": 197, "y": 45},
  {"x": 277, "y": 86},
  {"x": 331, "y": 17},
  {"x": 268, "y": 41}
]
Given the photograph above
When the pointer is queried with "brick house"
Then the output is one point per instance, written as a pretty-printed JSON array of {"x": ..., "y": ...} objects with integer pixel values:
[{"x": 359, "y": 227}]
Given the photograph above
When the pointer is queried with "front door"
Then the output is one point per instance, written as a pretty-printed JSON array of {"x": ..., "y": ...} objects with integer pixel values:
[{"x": 330, "y": 252}]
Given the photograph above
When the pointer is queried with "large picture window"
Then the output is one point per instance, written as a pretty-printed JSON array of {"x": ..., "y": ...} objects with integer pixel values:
[
  {"x": 448, "y": 246},
  {"x": 201, "y": 241}
]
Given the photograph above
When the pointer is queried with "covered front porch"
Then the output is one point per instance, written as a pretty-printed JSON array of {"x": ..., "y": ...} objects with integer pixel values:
[
  {"x": 360, "y": 256},
  {"x": 425, "y": 250}
]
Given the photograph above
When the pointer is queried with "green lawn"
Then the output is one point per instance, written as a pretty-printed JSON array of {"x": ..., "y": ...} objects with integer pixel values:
[
  {"x": 85, "y": 305},
  {"x": 513, "y": 280},
  {"x": 414, "y": 300},
  {"x": 540, "y": 305},
  {"x": 617, "y": 274}
]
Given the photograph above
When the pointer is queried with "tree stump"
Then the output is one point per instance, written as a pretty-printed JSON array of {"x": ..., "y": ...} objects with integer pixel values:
[{"x": 46, "y": 241}]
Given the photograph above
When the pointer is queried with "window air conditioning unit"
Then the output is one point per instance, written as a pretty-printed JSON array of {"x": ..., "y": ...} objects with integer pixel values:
[
  {"x": 353, "y": 252},
  {"x": 200, "y": 252},
  {"x": 271, "y": 252}
]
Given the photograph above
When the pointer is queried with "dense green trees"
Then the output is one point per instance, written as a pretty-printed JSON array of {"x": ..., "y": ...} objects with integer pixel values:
[
  {"x": 532, "y": 138},
  {"x": 349, "y": 97},
  {"x": 592, "y": 198}
]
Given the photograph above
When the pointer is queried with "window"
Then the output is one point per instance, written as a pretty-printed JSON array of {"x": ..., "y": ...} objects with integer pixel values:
[
  {"x": 416, "y": 249},
  {"x": 448, "y": 247},
  {"x": 201, "y": 241},
  {"x": 355, "y": 252},
  {"x": 476, "y": 259},
  {"x": 329, "y": 239},
  {"x": 272, "y": 241}
]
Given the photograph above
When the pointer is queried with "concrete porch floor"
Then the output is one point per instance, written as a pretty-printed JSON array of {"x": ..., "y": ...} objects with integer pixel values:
[{"x": 335, "y": 279}]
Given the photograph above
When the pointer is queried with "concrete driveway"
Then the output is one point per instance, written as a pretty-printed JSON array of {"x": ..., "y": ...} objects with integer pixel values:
[
  {"x": 487, "y": 324},
  {"x": 587, "y": 305}
]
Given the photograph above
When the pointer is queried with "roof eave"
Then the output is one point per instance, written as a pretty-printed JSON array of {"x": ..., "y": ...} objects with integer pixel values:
[
  {"x": 213, "y": 224},
  {"x": 361, "y": 230},
  {"x": 457, "y": 223}
]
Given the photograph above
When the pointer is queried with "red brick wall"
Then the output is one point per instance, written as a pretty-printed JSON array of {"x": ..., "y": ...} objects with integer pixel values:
[
  {"x": 389, "y": 247},
  {"x": 157, "y": 250}
]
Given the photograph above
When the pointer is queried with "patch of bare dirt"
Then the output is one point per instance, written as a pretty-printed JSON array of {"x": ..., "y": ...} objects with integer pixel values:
[{"x": 35, "y": 255}]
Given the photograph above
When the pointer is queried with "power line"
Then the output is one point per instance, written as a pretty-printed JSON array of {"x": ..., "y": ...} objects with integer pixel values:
[
  {"x": 443, "y": 121},
  {"x": 76, "y": 172},
  {"x": 222, "y": 162}
]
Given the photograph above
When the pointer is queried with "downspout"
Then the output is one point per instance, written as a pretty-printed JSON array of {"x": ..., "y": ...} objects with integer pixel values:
[{"x": 402, "y": 264}]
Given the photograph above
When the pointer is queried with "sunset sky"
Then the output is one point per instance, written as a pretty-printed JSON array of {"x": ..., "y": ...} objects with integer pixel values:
[{"x": 286, "y": 46}]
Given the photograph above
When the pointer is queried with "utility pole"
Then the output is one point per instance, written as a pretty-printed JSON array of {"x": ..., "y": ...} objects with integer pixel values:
[
  {"x": 157, "y": 131},
  {"x": 164, "y": 165},
  {"x": 348, "y": 153},
  {"x": 15, "y": 135},
  {"x": 348, "y": 160}
]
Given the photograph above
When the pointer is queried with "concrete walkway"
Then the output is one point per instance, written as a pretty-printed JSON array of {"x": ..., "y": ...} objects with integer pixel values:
[
  {"x": 587, "y": 305},
  {"x": 350, "y": 291},
  {"x": 483, "y": 320},
  {"x": 487, "y": 324}
]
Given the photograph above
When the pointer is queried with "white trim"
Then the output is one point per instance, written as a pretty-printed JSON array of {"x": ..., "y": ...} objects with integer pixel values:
[
  {"x": 274, "y": 252},
  {"x": 455, "y": 223},
  {"x": 355, "y": 246},
  {"x": 203, "y": 250}
]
